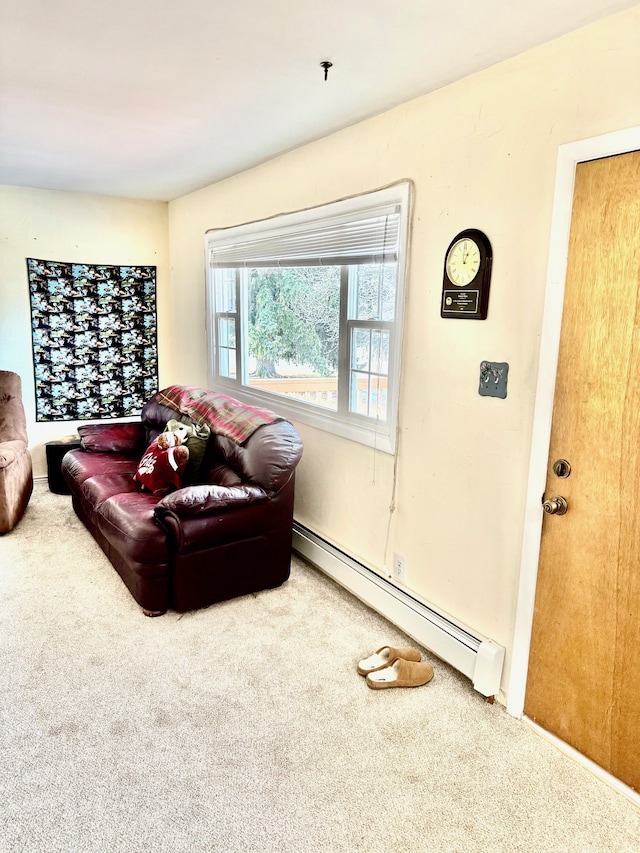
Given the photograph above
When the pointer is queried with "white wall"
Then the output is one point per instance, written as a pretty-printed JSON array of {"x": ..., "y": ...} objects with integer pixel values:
[
  {"x": 481, "y": 153},
  {"x": 71, "y": 227}
]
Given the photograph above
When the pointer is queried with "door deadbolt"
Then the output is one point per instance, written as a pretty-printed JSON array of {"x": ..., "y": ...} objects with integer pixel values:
[
  {"x": 561, "y": 468},
  {"x": 555, "y": 506}
]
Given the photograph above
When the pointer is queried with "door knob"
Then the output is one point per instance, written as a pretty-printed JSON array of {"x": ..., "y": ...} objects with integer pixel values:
[{"x": 555, "y": 506}]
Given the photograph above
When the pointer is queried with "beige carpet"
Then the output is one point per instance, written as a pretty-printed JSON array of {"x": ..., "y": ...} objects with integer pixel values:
[{"x": 245, "y": 727}]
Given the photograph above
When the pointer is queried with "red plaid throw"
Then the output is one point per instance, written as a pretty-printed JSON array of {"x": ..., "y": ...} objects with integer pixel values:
[{"x": 224, "y": 415}]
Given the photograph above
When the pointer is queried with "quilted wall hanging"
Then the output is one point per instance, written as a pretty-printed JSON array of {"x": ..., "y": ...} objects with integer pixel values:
[{"x": 94, "y": 335}]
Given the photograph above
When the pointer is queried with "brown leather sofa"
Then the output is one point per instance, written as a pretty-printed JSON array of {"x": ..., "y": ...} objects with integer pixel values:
[
  {"x": 16, "y": 474},
  {"x": 226, "y": 535}
]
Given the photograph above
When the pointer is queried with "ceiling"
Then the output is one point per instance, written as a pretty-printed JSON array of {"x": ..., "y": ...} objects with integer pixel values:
[{"x": 155, "y": 98}]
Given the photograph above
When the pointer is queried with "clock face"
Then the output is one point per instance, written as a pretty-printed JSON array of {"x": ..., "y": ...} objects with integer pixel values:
[{"x": 463, "y": 262}]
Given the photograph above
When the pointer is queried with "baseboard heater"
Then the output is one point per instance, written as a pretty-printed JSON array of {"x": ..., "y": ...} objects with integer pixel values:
[{"x": 477, "y": 657}]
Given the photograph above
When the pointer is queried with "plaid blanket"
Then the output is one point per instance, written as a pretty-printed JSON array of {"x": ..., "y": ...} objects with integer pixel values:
[{"x": 224, "y": 415}]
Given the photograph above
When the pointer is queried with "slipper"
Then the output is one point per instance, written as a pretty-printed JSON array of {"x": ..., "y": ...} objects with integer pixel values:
[
  {"x": 401, "y": 673},
  {"x": 385, "y": 656}
]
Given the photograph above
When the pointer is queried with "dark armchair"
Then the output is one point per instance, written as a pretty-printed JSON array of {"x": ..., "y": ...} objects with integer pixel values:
[{"x": 16, "y": 473}]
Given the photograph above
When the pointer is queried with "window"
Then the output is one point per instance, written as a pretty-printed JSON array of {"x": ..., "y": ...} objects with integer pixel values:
[{"x": 305, "y": 313}]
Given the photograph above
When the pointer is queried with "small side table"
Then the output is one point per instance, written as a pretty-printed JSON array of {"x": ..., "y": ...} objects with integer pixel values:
[{"x": 55, "y": 451}]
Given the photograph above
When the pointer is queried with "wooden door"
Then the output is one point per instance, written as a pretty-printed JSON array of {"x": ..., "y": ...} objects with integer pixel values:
[{"x": 584, "y": 671}]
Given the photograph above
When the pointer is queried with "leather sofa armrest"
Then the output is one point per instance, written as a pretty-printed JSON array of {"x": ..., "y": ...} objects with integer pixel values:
[
  {"x": 195, "y": 516},
  {"x": 208, "y": 500},
  {"x": 11, "y": 450},
  {"x": 113, "y": 438}
]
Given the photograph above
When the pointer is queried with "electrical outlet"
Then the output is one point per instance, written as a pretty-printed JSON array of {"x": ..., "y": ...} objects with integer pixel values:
[{"x": 400, "y": 567}]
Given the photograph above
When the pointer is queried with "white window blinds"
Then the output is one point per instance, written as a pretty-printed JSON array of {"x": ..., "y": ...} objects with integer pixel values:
[{"x": 366, "y": 237}]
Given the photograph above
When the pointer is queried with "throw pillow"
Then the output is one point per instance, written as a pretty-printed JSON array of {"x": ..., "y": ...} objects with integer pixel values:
[{"x": 162, "y": 466}]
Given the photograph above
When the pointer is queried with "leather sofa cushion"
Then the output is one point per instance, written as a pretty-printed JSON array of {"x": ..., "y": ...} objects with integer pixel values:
[
  {"x": 95, "y": 490},
  {"x": 79, "y": 466},
  {"x": 123, "y": 514},
  {"x": 126, "y": 520}
]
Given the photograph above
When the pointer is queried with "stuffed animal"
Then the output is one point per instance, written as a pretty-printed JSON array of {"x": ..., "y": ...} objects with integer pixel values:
[
  {"x": 195, "y": 437},
  {"x": 173, "y": 437}
]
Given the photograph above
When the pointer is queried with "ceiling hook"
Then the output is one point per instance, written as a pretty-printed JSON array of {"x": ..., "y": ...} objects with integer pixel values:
[{"x": 326, "y": 65}]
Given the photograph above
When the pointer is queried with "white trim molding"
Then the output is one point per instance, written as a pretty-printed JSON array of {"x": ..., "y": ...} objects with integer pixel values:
[
  {"x": 594, "y": 768},
  {"x": 472, "y": 654}
]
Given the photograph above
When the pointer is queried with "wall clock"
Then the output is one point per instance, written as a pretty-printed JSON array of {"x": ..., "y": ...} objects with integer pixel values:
[{"x": 467, "y": 276}]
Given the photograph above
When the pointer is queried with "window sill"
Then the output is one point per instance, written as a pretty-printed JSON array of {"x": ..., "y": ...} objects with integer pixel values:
[{"x": 378, "y": 436}]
